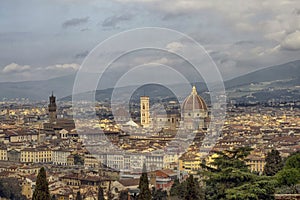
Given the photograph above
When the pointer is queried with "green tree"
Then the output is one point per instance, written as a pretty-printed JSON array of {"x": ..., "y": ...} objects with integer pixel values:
[
  {"x": 178, "y": 190},
  {"x": 263, "y": 188},
  {"x": 289, "y": 177},
  {"x": 78, "y": 196},
  {"x": 273, "y": 163},
  {"x": 293, "y": 161},
  {"x": 188, "y": 189},
  {"x": 230, "y": 178},
  {"x": 78, "y": 160},
  {"x": 41, "y": 191},
  {"x": 174, "y": 188},
  {"x": 192, "y": 189},
  {"x": 100, "y": 193},
  {"x": 159, "y": 194},
  {"x": 123, "y": 195},
  {"x": 10, "y": 188},
  {"x": 145, "y": 193}
]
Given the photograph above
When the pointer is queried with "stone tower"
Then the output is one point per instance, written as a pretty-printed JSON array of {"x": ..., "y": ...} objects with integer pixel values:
[
  {"x": 52, "y": 109},
  {"x": 145, "y": 113}
]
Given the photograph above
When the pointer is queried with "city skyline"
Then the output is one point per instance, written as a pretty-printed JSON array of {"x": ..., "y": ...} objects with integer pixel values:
[{"x": 149, "y": 99}]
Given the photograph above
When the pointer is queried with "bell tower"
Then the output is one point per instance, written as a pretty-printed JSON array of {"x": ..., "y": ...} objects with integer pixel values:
[
  {"x": 52, "y": 109},
  {"x": 145, "y": 114}
]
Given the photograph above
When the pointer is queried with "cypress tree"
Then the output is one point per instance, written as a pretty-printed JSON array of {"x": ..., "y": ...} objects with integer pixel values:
[
  {"x": 192, "y": 189},
  {"x": 78, "y": 196},
  {"x": 159, "y": 194},
  {"x": 100, "y": 193},
  {"x": 123, "y": 195},
  {"x": 145, "y": 193},
  {"x": 273, "y": 163},
  {"x": 41, "y": 191}
]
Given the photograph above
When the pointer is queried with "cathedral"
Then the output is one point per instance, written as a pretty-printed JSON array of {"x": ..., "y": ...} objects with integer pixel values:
[
  {"x": 194, "y": 111},
  {"x": 194, "y": 114}
]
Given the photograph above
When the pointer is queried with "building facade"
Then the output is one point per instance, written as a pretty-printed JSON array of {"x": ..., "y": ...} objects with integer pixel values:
[
  {"x": 60, "y": 157},
  {"x": 36, "y": 155}
]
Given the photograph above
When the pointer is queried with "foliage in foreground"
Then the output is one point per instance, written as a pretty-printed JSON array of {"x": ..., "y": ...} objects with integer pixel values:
[
  {"x": 274, "y": 163},
  {"x": 187, "y": 190},
  {"x": 228, "y": 177},
  {"x": 289, "y": 177}
]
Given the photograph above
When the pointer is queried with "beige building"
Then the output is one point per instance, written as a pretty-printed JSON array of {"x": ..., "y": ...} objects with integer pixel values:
[
  {"x": 256, "y": 163},
  {"x": 91, "y": 161},
  {"x": 190, "y": 163},
  {"x": 18, "y": 135},
  {"x": 70, "y": 160},
  {"x": 29, "y": 169},
  {"x": 79, "y": 180},
  {"x": 3, "y": 153},
  {"x": 24, "y": 136},
  {"x": 170, "y": 160},
  {"x": 36, "y": 155}
]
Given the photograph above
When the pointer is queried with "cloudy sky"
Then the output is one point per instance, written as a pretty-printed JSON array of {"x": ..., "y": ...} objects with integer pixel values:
[{"x": 41, "y": 39}]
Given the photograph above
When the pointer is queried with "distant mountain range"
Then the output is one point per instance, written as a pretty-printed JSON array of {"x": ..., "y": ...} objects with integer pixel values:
[
  {"x": 267, "y": 80},
  {"x": 279, "y": 83},
  {"x": 287, "y": 71},
  {"x": 37, "y": 90}
]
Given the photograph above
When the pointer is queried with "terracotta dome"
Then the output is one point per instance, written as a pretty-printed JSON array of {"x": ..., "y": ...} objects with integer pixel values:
[{"x": 194, "y": 102}]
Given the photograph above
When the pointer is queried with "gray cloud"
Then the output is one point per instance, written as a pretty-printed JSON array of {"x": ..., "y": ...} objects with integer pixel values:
[
  {"x": 84, "y": 29},
  {"x": 75, "y": 22},
  {"x": 82, "y": 54},
  {"x": 297, "y": 11},
  {"x": 291, "y": 42},
  {"x": 172, "y": 16},
  {"x": 240, "y": 37},
  {"x": 115, "y": 20}
]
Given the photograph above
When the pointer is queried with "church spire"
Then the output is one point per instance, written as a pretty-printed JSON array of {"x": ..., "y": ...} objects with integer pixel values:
[{"x": 194, "y": 91}]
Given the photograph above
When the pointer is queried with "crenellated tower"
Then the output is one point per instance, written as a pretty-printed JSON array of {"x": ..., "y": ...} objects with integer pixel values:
[{"x": 52, "y": 109}]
